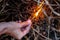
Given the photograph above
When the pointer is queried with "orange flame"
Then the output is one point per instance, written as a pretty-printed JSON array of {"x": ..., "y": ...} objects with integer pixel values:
[{"x": 39, "y": 9}]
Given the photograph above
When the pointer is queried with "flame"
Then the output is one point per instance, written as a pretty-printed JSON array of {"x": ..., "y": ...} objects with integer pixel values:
[
  {"x": 38, "y": 12},
  {"x": 39, "y": 9}
]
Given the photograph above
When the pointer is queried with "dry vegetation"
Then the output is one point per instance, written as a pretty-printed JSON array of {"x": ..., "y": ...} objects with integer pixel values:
[{"x": 44, "y": 28}]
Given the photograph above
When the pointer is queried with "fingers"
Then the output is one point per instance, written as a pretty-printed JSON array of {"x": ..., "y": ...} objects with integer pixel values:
[
  {"x": 14, "y": 29},
  {"x": 18, "y": 34},
  {"x": 28, "y": 22},
  {"x": 17, "y": 25},
  {"x": 19, "y": 21},
  {"x": 27, "y": 29}
]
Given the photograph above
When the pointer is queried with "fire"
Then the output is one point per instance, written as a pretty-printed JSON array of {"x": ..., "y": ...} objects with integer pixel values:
[
  {"x": 39, "y": 9},
  {"x": 38, "y": 12}
]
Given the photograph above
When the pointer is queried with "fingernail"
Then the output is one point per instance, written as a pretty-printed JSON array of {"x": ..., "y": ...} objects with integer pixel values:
[{"x": 29, "y": 21}]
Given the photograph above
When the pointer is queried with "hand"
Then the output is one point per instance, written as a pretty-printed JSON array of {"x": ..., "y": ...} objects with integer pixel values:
[{"x": 15, "y": 29}]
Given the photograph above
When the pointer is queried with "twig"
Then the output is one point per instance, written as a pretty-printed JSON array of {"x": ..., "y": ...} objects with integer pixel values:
[
  {"x": 41, "y": 35},
  {"x": 52, "y": 8}
]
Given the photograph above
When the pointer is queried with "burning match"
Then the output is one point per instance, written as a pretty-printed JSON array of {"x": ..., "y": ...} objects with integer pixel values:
[{"x": 39, "y": 9}]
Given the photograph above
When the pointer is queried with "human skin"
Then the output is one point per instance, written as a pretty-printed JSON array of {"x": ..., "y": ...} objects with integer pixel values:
[{"x": 15, "y": 29}]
